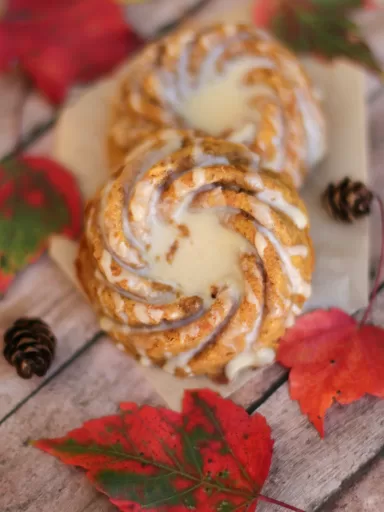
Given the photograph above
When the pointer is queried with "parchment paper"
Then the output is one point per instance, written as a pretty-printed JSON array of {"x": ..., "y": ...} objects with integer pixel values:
[{"x": 341, "y": 275}]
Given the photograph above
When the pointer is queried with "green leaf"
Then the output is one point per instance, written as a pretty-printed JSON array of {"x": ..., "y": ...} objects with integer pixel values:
[
  {"x": 38, "y": 197},
  {"x": 323, "y": 27},
  {"x": 149, "y": 490},
  {"x": 340, "y": 5}
]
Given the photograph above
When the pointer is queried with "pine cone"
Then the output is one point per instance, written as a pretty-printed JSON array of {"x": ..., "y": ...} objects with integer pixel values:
[
  {"x": 347, "y": 200},
  {"x": 30, "y": 347}
]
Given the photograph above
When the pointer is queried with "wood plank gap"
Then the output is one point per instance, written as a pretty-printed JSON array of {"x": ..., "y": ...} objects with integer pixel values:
[
  {"x": 274, "y": 387},
  {"x": 328, "y": 506},
  {"x": 29, "y": 139},
  {"x": 69, "y": 361}
]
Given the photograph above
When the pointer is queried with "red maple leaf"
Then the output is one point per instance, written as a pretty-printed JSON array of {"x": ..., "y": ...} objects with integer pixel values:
[
  {"x": 59, "y": 42},
  {"x": 38, "y": 197},
  {"x": 332, "y": 357},
  {"x": 212, "y": 457},
  {"x": 320, "y": 27}
]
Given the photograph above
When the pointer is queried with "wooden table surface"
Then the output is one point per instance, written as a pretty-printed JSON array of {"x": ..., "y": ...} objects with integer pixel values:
[{"x": 89, "y": 377}]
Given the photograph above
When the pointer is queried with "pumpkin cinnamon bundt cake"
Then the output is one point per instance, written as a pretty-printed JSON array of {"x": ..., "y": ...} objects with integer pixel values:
[
  {"x": 195, "y": 257},
  {"x": 230, "y": 81}
]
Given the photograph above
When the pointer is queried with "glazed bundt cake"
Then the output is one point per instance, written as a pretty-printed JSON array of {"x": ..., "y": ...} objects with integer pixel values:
[
  {"x": 229, "y": 81},
  {"x": 195, "y": 256}
]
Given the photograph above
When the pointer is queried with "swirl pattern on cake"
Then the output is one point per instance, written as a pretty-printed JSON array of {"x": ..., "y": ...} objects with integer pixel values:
[
  {"x": 231, "y": 81},
  {"x": 196, "y": 259}
]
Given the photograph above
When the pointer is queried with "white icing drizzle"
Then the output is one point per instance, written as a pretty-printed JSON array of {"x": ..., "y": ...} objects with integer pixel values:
[
  {"x": 191, "y": 331},
  {"x": 296, "y": 310},
  {"x": 244, "y": 135},
  {"x": 276, "y": 200},
  {"x": 262, "y": 213},
  {"x": 194, "y": 269},
  {"x": 119, "y": 305},
  {"x": 222, "y": 101},
  {"x": 144, "y": 359},
  {"x": 263, "y": 356},
  {"x": 299, "y": 285},
  {"x": 298, "y": 250},
  {"x": 260, "y": 244},
  {"x": 141, "y": 313},
  {"x": 254, "y": 181},
  {"x": 108, "y": 325},
  {"x": 290, "y": 320}
]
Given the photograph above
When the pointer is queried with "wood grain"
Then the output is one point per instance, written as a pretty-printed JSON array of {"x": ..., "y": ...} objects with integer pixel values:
[
  {"x": 21, "y": 111},
  {"x": 11, "y": 96},
  {"x": 42, "y": 290},
  {"x": 366, "y": 494},
  {"x": 92, "y": 386},
  {"x": 306, "y": 471}
]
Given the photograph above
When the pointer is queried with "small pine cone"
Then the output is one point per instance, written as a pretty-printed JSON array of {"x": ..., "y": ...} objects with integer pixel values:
[
  {"x": 30, "y": 347},
  {"x": 347, "y": 200}
]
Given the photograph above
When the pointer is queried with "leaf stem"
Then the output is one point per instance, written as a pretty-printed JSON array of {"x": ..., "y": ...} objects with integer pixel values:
[
  {"x": 378, "y": 278},
  {"x": 261, "y": 497}
]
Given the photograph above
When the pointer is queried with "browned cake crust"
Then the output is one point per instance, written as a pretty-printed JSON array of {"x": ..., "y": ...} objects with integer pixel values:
[
  {"x": 290, "y": 133},
  {"x": 156, "y": 322}
]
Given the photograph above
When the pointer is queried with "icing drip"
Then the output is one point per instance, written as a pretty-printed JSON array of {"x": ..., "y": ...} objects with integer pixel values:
[
  {"x": 276, "y": 200},
  {"x": 299, "y": 285},
  {"x": 247, "y": 359},
  {"x": 222, "y": 102},
  {"x": 207, "y": 257}
]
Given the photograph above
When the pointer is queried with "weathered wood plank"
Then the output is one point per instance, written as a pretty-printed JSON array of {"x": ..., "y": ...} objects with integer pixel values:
[
  {"x": 261, "y": 384},
  {"x": 42, "y": 290},
  {"x": 306, "y": 471},
  {"x": 365, "y": 495},
  {"x": 92, "y": 386},
  {"x": 154, "y": 15},
  {"x": 11, "y": 94},
  {"x": 21, "y": 111}
]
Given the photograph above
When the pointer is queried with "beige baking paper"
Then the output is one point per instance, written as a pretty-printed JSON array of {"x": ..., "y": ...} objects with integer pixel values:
[{"x": 341, "y": 275}]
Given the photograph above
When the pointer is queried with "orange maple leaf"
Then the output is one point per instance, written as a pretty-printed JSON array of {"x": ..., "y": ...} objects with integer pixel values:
[{"x": 332, "y": 359}]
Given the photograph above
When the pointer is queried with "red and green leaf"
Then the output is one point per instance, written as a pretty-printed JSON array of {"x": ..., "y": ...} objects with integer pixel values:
[
  {"x": 321, "y": 27},
  {"x": 212, "y": 457},
  {"x": 38, "y": 197},
  {"x": 58, "y": 43}
]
